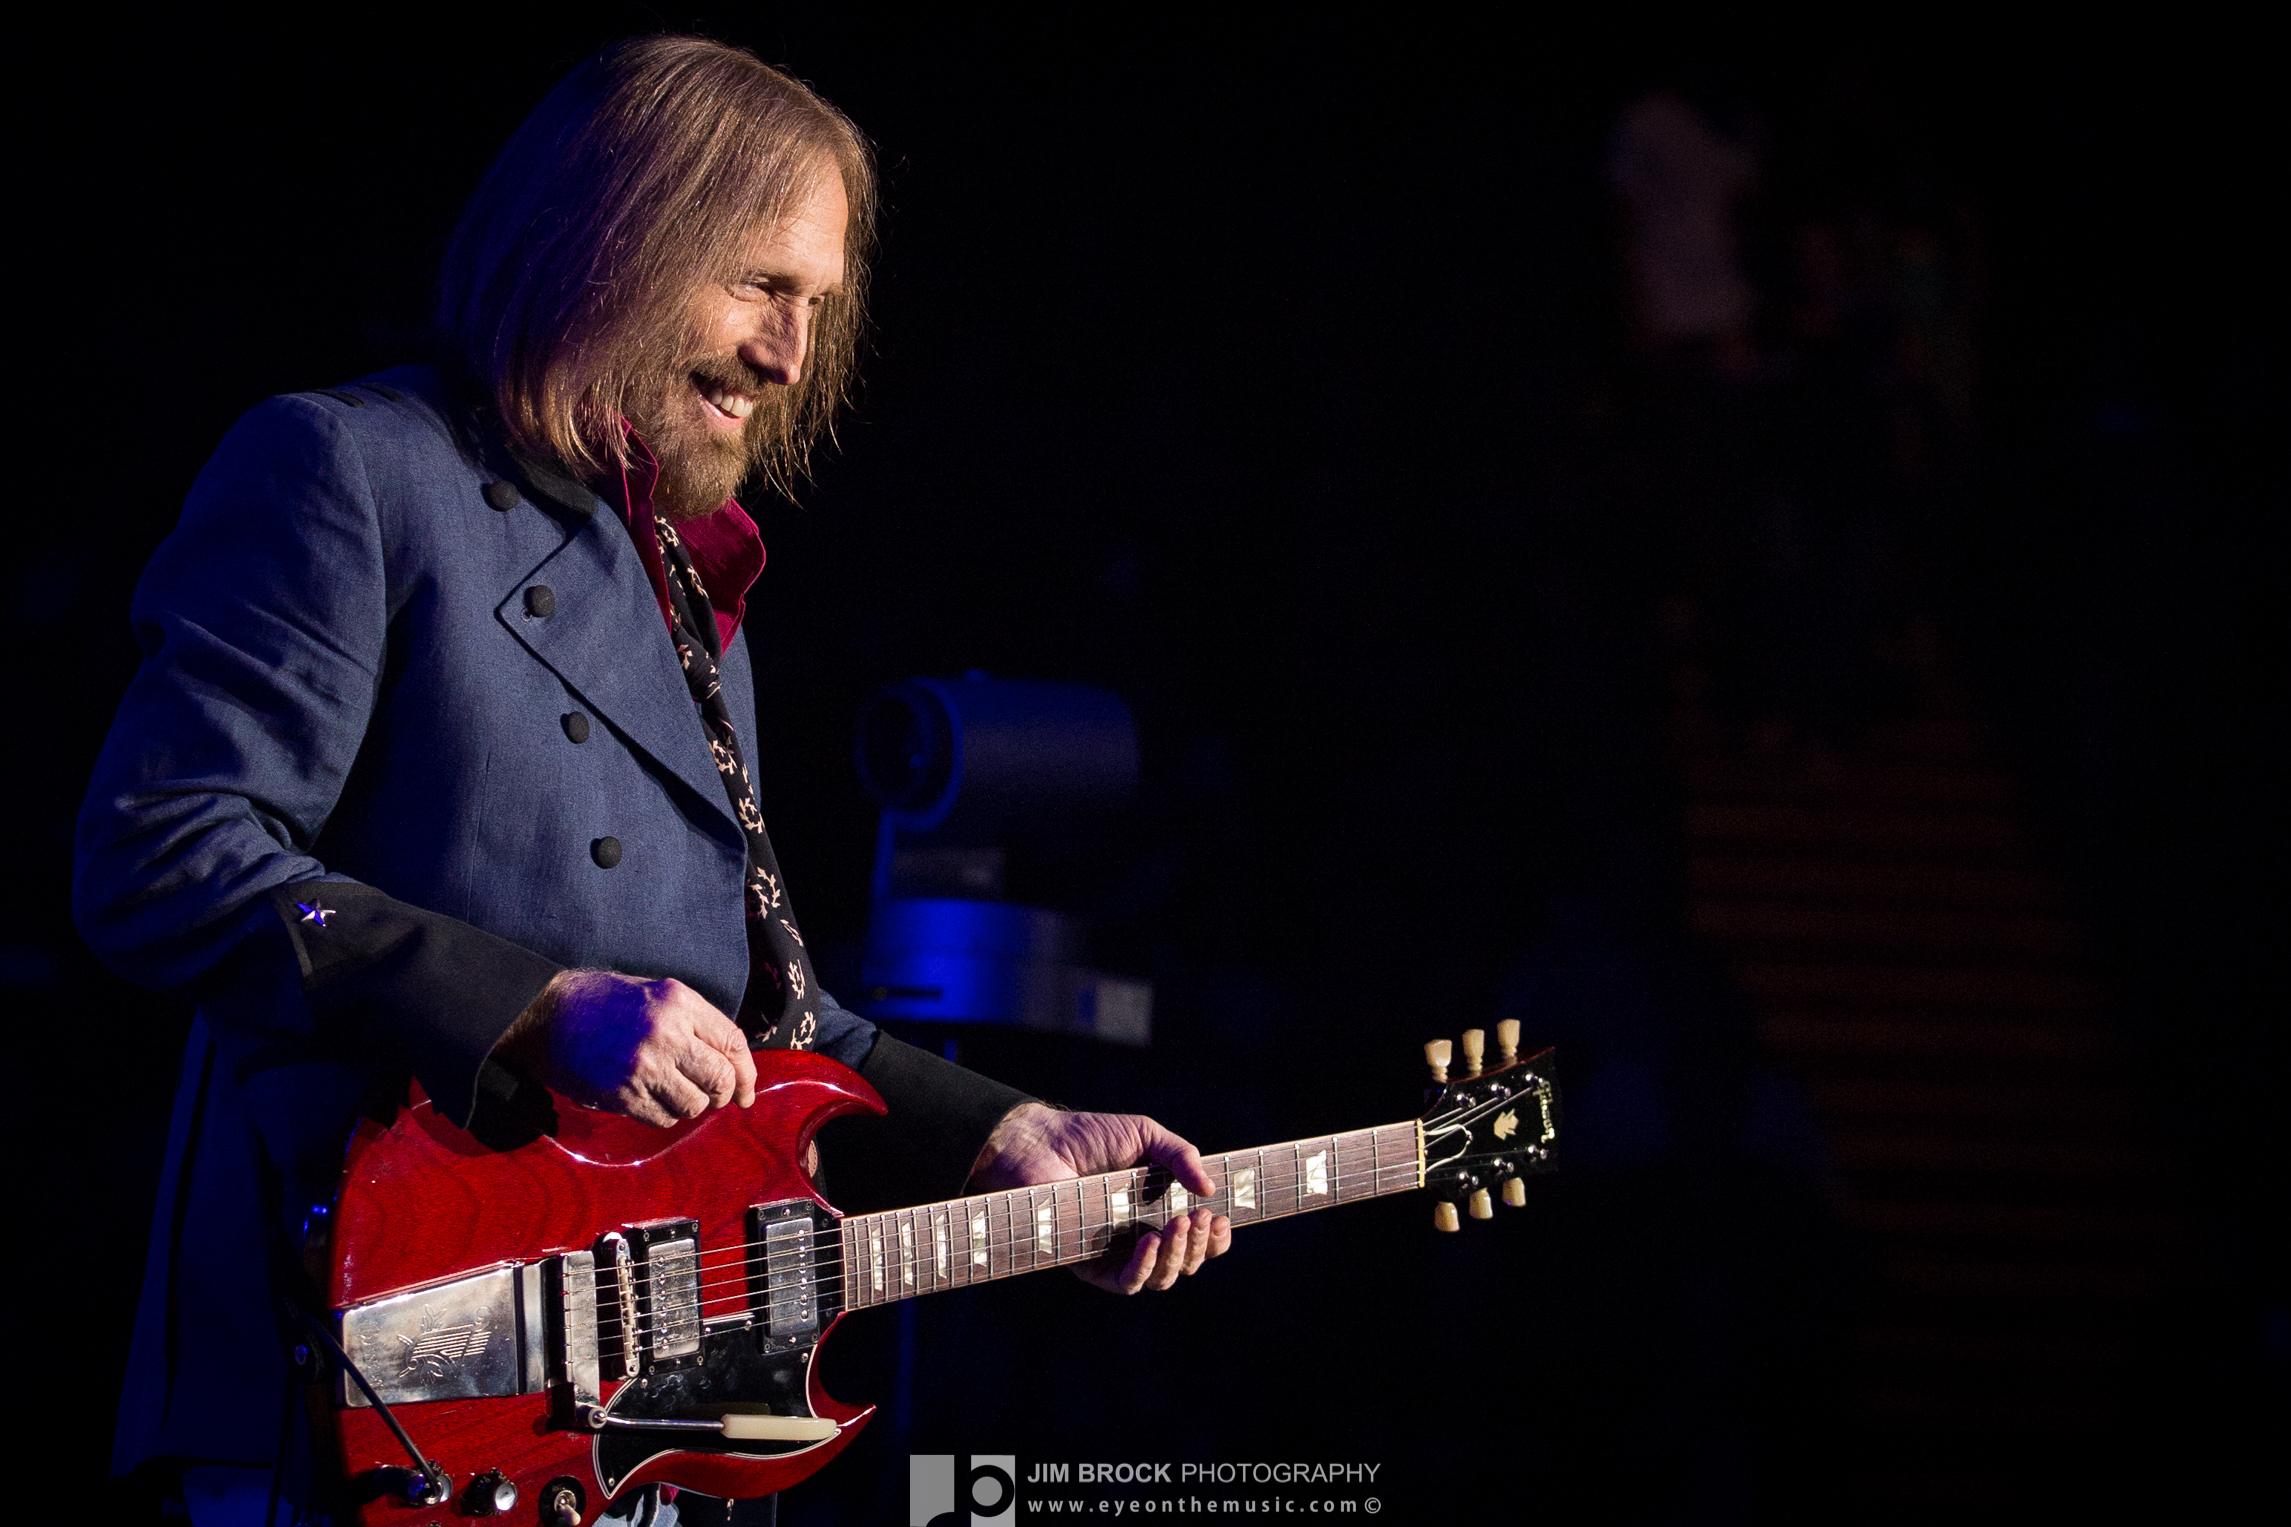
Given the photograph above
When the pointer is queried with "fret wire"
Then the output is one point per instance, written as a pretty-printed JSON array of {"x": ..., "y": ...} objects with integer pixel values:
[
  {"x": 733, "y": 1276},
  {"x": 865, "y": 1297},
  {"x": 743, "y": 1259},
  {"x": 866, "y": 1245},
  {"x": 736, "y": 1283},
  {"x": 736, "y": 1258}
]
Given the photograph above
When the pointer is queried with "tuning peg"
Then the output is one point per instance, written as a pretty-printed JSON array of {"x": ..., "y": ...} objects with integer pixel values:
[
  {"x": 1481, "y": 1207},
  {"x": 1515, "y": 1192},
  {"x": 1444, "y": 1217},
  {"x": 1475, "y": 1050},
  {"x": 1438, "y": 1052},
  {"x": 1507, "y": 1041}
]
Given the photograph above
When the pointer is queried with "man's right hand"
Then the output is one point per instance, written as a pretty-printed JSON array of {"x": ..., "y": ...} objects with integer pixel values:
[{"x": 657, "y": 1051}]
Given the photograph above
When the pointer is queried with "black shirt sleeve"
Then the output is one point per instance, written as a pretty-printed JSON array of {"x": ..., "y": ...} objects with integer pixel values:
[
  {"x": 409, "y": 987},
  {"x": 921, "y": 1151}
]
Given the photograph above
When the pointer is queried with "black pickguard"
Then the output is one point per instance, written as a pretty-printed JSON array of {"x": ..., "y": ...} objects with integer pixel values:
[{"x": 733, "y": 1372}]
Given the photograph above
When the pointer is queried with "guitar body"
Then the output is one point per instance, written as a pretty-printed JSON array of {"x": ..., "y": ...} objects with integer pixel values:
[
  {"x": 576, "y": 1305},
  {"x": 459, "y": 1266}
]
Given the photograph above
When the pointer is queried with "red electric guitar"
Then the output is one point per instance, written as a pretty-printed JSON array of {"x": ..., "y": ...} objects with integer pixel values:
[{"x": 536, "y": 1322}]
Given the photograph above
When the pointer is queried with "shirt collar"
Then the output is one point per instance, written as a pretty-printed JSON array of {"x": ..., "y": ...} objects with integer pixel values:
[{"x": 727, "y": 550}]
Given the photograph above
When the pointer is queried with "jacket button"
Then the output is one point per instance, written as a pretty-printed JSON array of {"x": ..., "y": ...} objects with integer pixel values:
[
  {"x": 606, "y": 851},
  {"x": 577, "y": 726},
  {"x": 540, "y": 601},
  {"x": 501, "y": 495}
]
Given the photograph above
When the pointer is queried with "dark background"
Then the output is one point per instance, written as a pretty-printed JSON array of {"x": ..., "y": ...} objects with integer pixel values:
[{"x": 1285, "y": 382}]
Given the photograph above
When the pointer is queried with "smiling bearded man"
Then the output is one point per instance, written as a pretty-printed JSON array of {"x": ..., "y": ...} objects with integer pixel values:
[{"x": 436, "y": 763}]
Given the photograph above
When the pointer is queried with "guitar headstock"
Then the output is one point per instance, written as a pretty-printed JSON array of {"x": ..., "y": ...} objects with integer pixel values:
[{"x": 1488, "y": 1127}]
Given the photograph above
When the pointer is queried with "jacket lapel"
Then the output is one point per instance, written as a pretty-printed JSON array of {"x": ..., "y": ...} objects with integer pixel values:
[{"x": 603, "y": 636}]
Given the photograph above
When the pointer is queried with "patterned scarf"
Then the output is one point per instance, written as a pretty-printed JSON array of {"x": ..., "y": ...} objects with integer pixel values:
[{"x": 781, "y": 1008}]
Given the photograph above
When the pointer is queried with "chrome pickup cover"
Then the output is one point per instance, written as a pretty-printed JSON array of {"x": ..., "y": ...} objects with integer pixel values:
[
  {"x": 791, "y": 1301},
  {"x": 672, "y": 1300},
  {"x": 469, "y": 1337}
]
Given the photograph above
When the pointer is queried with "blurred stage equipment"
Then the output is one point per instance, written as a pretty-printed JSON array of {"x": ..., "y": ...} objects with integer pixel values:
[{"x": 963, "y": 769}]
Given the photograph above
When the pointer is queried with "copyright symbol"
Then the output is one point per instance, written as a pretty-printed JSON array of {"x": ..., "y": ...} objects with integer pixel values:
[{"x": 1372, "y": 1505}]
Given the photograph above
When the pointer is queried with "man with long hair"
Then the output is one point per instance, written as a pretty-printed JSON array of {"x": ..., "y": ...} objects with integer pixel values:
[{"x": 437, "y": 761}]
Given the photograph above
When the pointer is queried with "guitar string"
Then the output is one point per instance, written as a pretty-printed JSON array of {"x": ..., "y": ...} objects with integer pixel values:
[
  {"x": 1146, "y": 1179},
  {"x": 914, "y": 1271},
  {"x": 1155, "y": 1177},
  {"x": 923, "y": 1257},
  {"x": 714, "y": 1260},
  {"x": 1021, "y": 1205},
  {"x": 1277, "y": 1177},
  {"x": 963, "y": 1244}
]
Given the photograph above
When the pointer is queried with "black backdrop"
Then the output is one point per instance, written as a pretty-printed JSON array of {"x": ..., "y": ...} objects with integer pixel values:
[{"x": 1265, "y": 375}]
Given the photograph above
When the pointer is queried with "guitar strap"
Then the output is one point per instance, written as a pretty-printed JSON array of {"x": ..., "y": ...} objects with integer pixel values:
[{"x": 781, "y": 1008}]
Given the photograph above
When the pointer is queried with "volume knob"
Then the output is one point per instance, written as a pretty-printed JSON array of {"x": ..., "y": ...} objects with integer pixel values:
[{"x": 492, "y": 1493}]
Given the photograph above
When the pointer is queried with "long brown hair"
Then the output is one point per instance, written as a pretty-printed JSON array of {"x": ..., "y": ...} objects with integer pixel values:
[{"x": 639, "y": 178}]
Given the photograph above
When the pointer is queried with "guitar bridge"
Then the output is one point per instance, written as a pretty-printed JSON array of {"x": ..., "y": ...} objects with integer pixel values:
[{"x": 648, "y": 1297}]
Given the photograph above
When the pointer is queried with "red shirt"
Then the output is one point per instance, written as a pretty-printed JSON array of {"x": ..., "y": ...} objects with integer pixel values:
[{"x": 726, "y": 549}]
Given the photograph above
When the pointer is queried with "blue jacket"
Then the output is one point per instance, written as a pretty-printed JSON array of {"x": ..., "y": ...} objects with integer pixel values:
[{"x": 351, "y": 696}]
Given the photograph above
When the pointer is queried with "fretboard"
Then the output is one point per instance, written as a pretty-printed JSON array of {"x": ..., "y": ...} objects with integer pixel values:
[{"x": 904, "y": 1252}]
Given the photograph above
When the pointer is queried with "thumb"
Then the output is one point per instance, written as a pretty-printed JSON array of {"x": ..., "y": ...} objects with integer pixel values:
[{"x": 1172, "y": 1151}]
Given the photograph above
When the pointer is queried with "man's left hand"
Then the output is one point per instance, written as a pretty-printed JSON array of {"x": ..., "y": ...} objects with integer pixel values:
[{"x": 1035, "y": 1144}]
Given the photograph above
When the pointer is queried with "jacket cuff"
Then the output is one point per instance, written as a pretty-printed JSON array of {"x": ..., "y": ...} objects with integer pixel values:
[
  {"x": 407, "y": 986},
  {"x": 940, "y": 1116}
]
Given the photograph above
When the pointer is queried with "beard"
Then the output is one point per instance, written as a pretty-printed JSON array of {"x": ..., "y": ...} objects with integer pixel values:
[{"x": 700, "y": 466}]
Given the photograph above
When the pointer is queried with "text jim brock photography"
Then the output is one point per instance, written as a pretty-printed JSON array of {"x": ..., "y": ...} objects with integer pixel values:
[{"x": 990, "y": 1490}]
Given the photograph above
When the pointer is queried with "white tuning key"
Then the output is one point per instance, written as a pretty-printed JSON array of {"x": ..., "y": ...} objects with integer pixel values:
[
  {"x": 1515, "y": 1192},
  {"x": 1437, "y": 1053},
  {"x": 1482, "y": 1208},
  {"x": 1507, "y": 1041},
  {"x": 1475, "y": 1050},
  {"x": 1444, "y": 1218}
]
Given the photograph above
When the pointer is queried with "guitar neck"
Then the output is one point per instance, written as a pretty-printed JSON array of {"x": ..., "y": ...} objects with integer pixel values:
[{"x": 904, "y": 1252}]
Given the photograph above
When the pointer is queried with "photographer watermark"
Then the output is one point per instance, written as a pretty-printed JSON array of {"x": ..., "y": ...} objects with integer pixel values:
[{"x": 991, "y": 1490}]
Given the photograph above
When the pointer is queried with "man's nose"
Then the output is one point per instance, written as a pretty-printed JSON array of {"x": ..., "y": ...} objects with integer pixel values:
[{"x": 777, "y": 348}]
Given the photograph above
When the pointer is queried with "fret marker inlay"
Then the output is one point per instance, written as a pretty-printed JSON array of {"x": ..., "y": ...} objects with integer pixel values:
[
  {"x": 978, "y": 1239},
  {"x": 1176, "y": 1200},
  {"x": 1316, "y": 1173},
  {"x": 907, "y": 1252},
  {"x": 1045, "y": 1230},
  {"x": 875, "y": 1258},
  {"x": 1244, "y": 1188}
]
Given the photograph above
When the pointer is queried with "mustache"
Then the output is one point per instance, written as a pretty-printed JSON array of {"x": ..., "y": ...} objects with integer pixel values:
[{"x": 724, "y": 373}]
